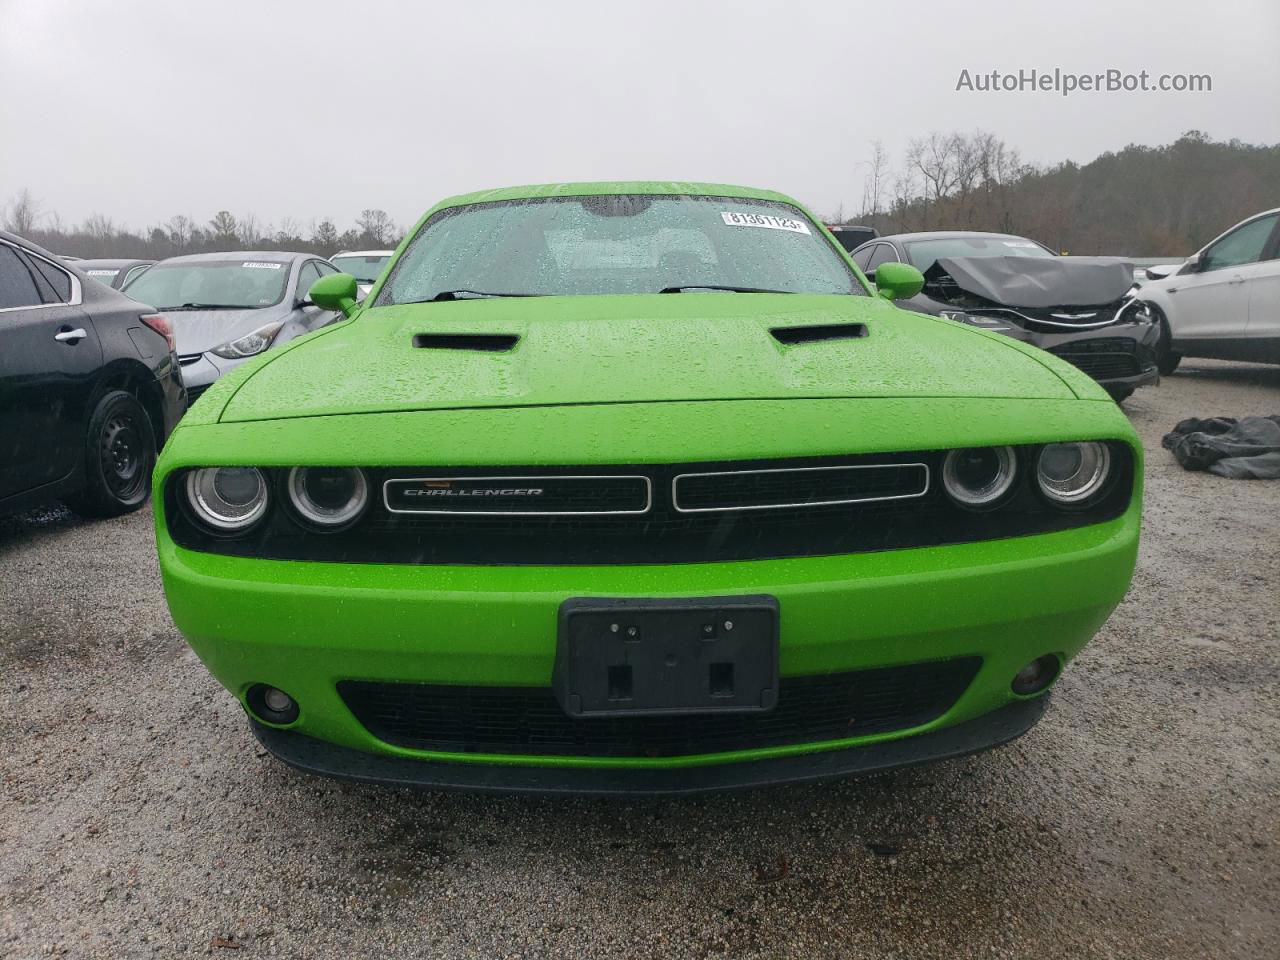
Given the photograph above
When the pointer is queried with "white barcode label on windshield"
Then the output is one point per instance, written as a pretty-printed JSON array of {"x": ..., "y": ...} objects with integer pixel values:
[
  {"x": 263, "y": 265},
  {"x": 763, "y": 220}
]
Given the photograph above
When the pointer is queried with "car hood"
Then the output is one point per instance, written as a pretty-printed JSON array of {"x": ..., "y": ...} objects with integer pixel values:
[
  {"x": 1039, "y": 282},
  {"x": 198, "y": 331},
  {"x": 630, "y": 349}
]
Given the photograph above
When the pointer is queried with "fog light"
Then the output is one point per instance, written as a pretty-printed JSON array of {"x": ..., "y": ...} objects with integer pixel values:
[
  {"x": 271, "y": 704},
  {"x": 277, "y": 700},
  {"x": 1036, "y": 675}
]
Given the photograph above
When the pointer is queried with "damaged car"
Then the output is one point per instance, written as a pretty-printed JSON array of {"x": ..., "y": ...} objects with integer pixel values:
[
  {"x": 1082, "y": 309},
  {"x": 641, "y": 488}
]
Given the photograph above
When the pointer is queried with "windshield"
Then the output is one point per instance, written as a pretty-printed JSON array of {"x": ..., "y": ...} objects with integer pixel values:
[
  {"x": 212, "y": 284},
  {"x": 617, "y": 244},
  {"x": 364, "y": 269},
  {"x": 925, "y": 253},
  {"x": 103, "y": 275}
]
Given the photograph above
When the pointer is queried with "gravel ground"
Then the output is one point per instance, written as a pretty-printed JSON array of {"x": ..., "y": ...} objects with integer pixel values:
[{"x": 1141, "y": 818}]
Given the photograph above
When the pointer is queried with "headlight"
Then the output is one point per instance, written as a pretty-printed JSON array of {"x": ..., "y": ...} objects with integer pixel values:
[
  {"x": 228, "y": 499},
  {"x": 1071, "y": 473},
  {"x": 979, "y": 477},
  {"x": 973, "y": 319},
  {"x": 328, "y": 496},
  {"x": 250, "y": 344}
]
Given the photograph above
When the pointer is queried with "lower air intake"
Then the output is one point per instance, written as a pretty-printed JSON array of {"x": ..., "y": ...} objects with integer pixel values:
[{"x": 529, "y": 721}]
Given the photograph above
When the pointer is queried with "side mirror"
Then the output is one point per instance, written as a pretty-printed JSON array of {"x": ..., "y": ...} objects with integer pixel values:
[
  {"x": 1160, "y": 271},
  {"x": 898, "y": 281},
  {"x": 335, "y": 291}
]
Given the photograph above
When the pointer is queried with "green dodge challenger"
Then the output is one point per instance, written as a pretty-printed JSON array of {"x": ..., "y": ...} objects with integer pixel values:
[{"x": 641, "y": 488}]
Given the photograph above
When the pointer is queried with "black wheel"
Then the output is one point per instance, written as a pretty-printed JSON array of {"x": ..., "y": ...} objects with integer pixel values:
[
  {"x": 120, "y": 453},
  {"x": 1120, "y": 394},
  {"x": 1166, "y": 360}
]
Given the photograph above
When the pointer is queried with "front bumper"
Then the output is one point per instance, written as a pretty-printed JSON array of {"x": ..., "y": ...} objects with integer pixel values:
[
  {"x": 305, "y": 627},
  {"x": 200, "y": 372},
  {"x": 317, "y": 757},
  {"x": 1121, "y": 356}
]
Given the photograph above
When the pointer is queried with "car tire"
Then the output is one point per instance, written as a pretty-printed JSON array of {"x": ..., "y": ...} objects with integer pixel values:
[
  {"x": 120, "y": 453},
  {"x": 1166, "y": 359}
]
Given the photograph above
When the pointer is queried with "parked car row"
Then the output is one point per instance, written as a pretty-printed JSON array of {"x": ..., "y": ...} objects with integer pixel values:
[{"x": 89, "y": 392}]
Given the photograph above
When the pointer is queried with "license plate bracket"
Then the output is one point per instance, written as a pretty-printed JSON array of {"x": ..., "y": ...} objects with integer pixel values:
[{"x": 638, "y": 657}]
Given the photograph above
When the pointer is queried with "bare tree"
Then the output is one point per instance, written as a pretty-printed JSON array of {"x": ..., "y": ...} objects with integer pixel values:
[
  {"x": 376, "y": 226},
  {"x": 100, "y": 227},
  {"x": 224, "y": 228},
  {"x": 247, "y": 231},
  {"x": 179, "y": 228},
  {"x": 874, "y": 183},
  {"x": 22, "y": 213},
  {"x": 934, "y": 158},
  {"x": 325, "y": 236}
]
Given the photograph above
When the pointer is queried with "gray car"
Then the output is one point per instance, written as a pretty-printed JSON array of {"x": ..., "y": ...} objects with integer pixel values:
[{"x": 228, "y": 307}]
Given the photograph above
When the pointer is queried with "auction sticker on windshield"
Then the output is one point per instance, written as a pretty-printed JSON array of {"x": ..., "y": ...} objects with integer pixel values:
[
  {"x": 263, "y": 265},
  {"x": 763, "y": 220}
]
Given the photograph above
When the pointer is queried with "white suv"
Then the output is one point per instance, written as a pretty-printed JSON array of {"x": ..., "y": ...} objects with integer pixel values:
[{"x": 1224, "y": 301}]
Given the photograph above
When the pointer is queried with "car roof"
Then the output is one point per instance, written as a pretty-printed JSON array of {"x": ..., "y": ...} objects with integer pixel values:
[
  {"x": 107, "y": 264},
  {"x": 606, "y": 187},
  {"x": 241, "y": 255},
  {"x": 947, "y": 235},
  {"x": 363, "y": 253}
]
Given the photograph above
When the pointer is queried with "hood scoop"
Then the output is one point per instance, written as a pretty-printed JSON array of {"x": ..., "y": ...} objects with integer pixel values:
[
  {"x": 484, "y": 342},
  {"x": 818, "y": 333}
]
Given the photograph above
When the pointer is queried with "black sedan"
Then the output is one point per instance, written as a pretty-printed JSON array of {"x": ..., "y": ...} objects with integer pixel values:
[
  {"x": 1081, "y": 309},
  {"x": 89, "y": 387},
  {"x": 114, "y": 273}
]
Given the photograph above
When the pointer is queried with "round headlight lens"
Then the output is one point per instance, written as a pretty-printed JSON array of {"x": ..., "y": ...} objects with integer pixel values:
[
  {"x": 980, "y": 476},
  {"x": 1073, "y": 472},
  {"x": 228, "y": 499},
  {"x": 328, "y": 496}
]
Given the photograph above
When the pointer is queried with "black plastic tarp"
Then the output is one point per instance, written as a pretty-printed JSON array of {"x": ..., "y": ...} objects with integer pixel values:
[
  {"x": 1042, "y": 281},
  {"x": 1248, "y": 448}
]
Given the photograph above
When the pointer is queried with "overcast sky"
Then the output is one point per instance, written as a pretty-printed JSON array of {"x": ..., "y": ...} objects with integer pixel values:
[{"x": 141, "y": 109}]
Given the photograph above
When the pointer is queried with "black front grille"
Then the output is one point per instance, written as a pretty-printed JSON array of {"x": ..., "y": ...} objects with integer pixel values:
[
  {"x": 758, "y": 489},
  {"x": 1104, "y": 358},
  {"x": 662, "y": 534},
  {"x": 1102, "y": 367},
  {"x": 528, "y": 721}
]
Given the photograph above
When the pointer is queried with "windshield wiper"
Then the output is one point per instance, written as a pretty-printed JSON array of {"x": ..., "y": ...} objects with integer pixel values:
[
  {"x": 211, "y": 306},
  {"x": 444, "y": 295},
  {"x": 716, "y": 286}
]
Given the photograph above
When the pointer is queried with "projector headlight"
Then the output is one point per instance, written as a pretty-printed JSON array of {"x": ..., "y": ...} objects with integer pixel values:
[
  {"x": 227, "y": 499},
  {"x": 979, "y": 477},
  {"x": 1072, "y": 473},
  {"x": 328, "y": 496}
]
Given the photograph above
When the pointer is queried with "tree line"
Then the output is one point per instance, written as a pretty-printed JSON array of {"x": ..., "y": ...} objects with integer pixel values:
[
  {"x": 1140, "y": 202},
  {"x": 100, "y": 236}
]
